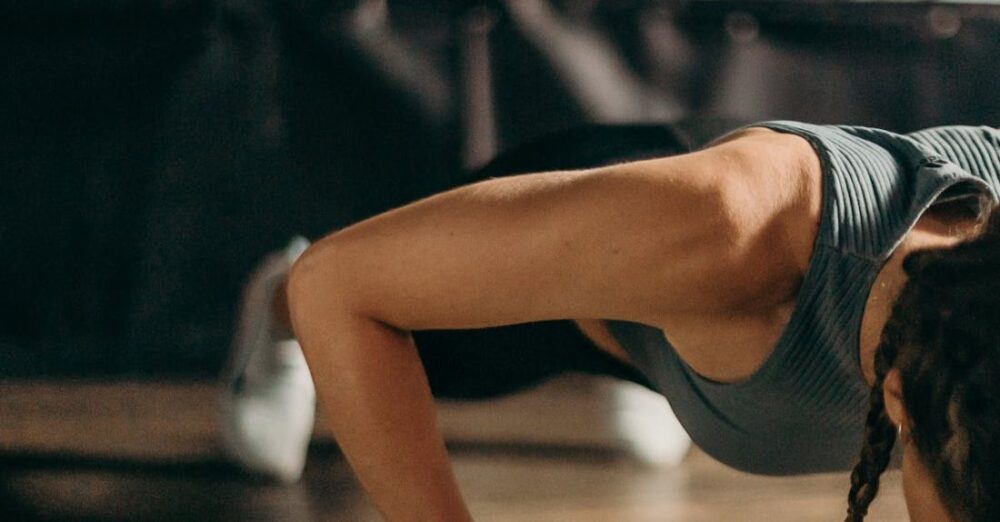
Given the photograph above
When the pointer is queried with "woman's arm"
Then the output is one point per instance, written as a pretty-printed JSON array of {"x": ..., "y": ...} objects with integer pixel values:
[{"x": 636, "y": 241}]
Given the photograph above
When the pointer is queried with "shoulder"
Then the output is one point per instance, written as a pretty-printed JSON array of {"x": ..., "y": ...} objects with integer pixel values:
[
  {"x": 778, "y": 187},
  {"x": 876, "y": 183},
  {"x": 759, "y": 192},
  {"x": 770, "y": 190}
]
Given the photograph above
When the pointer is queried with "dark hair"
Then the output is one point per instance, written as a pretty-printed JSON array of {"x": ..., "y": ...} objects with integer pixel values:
[{"x": 944, "y": 338}]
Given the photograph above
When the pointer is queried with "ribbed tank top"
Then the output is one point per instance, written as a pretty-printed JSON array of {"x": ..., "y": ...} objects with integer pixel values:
[{"x": 803, "y": 411}]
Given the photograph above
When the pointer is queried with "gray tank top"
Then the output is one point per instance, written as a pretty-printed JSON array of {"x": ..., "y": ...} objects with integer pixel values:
[{"x": 803, "y": 411}]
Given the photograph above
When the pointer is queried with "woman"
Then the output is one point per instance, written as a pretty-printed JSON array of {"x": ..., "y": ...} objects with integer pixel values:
[{"x": 773, "y": 260}]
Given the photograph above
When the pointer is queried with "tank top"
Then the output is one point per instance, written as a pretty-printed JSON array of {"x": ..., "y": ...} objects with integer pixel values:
[{"x": 803, "y": 410}]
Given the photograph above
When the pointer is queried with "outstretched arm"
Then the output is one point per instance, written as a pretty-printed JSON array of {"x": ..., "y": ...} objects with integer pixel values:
[{"x": 636, "y": 241}]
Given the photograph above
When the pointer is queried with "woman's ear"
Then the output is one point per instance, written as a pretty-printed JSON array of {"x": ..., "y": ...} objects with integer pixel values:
[{"x": 892, "y": 394}]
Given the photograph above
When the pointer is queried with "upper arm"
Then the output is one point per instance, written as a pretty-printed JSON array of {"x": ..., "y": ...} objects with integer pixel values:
[{"x": 635, "y": 241}]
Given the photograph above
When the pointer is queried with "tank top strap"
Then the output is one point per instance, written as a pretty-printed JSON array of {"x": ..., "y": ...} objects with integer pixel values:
[{"x": 877, "y": 184}]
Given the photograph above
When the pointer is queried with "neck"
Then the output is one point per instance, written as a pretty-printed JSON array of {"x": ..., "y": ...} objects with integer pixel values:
[
  {"x": 930, "y": 233},
  {"x": 923, "y": 502}
]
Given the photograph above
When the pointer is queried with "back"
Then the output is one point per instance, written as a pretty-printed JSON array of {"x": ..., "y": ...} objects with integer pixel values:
[{"x": 803, "y": 410}]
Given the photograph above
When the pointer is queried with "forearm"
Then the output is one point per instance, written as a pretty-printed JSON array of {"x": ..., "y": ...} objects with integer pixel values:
[{"x": 375, "y": 394}]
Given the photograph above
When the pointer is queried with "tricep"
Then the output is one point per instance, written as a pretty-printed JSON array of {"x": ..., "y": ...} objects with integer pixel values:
[{"x": 633, "y": 241}]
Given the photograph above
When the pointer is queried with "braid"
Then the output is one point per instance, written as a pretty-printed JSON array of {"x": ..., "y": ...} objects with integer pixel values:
[
  {"x": 944, "y": 338},
  {"x": 880, "y": 434},
  {"x": 921, "y": 297},
  {"x": 950, "y": 384}
]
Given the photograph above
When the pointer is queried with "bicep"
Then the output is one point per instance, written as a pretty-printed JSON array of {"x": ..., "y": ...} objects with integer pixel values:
[{"x": 633, "y": 242}]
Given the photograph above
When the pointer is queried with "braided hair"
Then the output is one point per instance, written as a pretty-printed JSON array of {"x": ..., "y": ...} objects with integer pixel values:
[{"x": 944, "y": 338}]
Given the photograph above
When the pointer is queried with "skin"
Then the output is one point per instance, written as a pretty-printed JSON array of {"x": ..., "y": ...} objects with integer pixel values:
[
  {"x": 664, "y": 242},
  {"x": 922, "y": 500}
]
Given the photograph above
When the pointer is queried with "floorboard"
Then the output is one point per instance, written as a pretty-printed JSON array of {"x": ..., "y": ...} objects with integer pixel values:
[{"x": 147, "y": 451}]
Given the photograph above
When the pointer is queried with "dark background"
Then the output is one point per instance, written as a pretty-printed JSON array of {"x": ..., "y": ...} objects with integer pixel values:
[{"x": 152, "y": 151}]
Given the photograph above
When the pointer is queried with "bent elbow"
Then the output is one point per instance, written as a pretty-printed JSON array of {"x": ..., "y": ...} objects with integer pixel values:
[
  {"x": 314, "y": 288},
  {"x": 303, "y": 274}
]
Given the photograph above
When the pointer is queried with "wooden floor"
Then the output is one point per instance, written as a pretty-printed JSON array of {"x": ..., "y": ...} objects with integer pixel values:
[{"x": 147, "y": 451}]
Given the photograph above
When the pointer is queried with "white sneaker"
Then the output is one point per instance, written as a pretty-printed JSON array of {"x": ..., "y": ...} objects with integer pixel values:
[
  {"x": 647, "y": 425},
  {"x": 574, "y": 410},
  {"x": 268, "y": 400}
]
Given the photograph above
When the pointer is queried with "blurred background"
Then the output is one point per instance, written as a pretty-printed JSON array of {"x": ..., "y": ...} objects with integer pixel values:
[{"x": 152, "y": 151}]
